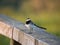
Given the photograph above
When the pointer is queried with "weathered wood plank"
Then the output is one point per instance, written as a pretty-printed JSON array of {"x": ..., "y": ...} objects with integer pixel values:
[
  {"x": 5, "y": 29},
  {"x": 20, "y": 33}
]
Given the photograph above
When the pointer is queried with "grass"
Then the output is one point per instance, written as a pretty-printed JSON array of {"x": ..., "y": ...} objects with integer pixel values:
[{"x": 4, "y": 40}]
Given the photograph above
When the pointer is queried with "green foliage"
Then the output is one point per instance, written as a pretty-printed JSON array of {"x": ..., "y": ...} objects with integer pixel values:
[{"x": 4, "y": 40}]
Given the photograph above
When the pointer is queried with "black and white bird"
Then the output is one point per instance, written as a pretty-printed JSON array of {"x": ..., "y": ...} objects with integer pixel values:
[{"x": 29, "y": 24}]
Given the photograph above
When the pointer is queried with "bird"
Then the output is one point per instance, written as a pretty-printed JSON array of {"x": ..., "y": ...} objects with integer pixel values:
[{"x": 29, "y": 24}]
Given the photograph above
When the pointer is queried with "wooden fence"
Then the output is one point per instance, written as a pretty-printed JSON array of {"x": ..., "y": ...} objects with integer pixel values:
[{"x": 17, "y": 31}]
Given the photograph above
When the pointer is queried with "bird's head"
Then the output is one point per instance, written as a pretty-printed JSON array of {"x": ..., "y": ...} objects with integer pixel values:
[{"x": 28, "y": 21}]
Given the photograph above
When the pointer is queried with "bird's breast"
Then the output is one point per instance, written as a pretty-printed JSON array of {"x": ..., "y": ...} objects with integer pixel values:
[{"x": 28, "y": 26}]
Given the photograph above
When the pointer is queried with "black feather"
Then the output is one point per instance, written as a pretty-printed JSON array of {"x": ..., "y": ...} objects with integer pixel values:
[{"x": 40, "y": 27}]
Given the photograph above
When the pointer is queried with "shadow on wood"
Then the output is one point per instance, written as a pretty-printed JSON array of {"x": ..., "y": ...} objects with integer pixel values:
[{"x": 16, "y": 43}]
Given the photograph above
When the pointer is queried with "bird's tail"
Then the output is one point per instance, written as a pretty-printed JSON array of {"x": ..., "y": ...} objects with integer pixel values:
[{"x": 43, "y": 28}]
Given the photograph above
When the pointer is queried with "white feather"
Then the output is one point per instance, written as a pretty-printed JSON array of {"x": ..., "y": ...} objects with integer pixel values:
[{"x": 27, "y": 25}]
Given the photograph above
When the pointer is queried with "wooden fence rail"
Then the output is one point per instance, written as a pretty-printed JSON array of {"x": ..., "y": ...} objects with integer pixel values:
[{"x": 16, "y": 30}]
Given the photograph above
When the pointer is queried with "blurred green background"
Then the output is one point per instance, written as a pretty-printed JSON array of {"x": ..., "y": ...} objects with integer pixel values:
[
  {"x": 4, "y": 40},
  {"x": 45, "y": 13}
]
